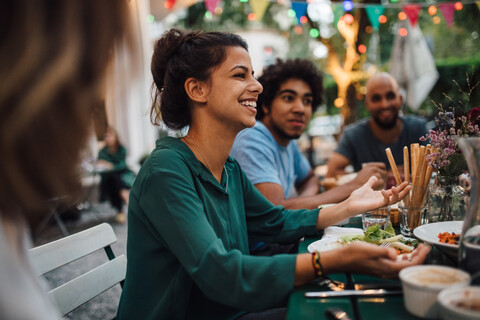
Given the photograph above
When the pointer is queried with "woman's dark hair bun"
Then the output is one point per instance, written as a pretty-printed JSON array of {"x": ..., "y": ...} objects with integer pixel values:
[{"x": 164, "y": 49}]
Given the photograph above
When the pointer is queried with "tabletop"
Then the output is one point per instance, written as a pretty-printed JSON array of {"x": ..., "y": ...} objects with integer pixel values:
[{"x": 364, "y": 308}]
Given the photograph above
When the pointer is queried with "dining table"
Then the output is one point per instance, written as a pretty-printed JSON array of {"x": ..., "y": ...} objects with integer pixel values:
[{"x": 356, "y": 307}]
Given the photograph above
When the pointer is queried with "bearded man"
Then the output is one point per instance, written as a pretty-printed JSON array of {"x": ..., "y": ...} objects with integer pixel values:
[{"x": 366, "y": 140}]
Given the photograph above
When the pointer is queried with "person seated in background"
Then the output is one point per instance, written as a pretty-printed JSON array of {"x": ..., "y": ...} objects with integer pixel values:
[
  {"x": 192, "y": 207},
  {"x": 366, "y": 140},
  {"x": 116, "y": 177},
  {"x": 53, "y": 60},
  {"x": 268, "y": 153}
]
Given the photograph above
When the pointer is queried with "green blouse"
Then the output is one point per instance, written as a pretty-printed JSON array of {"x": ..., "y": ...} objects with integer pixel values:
[
  {"x": 118, "y": 159},
  {"x": 187, "y": 247}
]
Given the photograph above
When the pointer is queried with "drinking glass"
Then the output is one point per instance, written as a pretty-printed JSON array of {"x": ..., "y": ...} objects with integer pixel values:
[
  {"x": 410, "y": 217},
  {"x": 379, "y": 216}
]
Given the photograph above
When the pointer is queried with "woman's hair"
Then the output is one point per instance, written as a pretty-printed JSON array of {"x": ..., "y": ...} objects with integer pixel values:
[
  {"x": 273, "y": 76},
  {"x": 179, "y": 55},
  {"x": 115, "y": 134},
  {"x": 53, "y": 56}
]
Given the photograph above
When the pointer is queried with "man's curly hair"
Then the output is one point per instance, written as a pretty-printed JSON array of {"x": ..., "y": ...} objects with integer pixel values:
[{"x": 275, "y": 75}]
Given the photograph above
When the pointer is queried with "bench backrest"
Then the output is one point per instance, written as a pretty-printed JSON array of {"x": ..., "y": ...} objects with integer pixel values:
[{"x": 87, "y": 286}]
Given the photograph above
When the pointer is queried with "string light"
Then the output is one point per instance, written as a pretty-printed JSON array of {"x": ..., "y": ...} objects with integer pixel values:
[
  {"x": 458, "y": 6},
  {"x": 432, "y": 10},
  {"x": 362, "y": 48},
  {"x": 382, "y": 19},
  {"x": 348, "y": 18},
  {"x": 252, "y": 17},
  {"x": 169, "y": 4},
  {"x": 151, "y": 18},
  {"x": 314, "y": 33},
  {"x": 298, "y": 29},
  {"x": 368, "y": 29},
  {"x": 347, "y": 5},
  {"x": 402, "y": 16},
  {"x": 218, "y": 11},
  {"x": 403, "y": 32},
  {"x": 338, "y": 102},
  {"x": 436, "y": 20},
  {"x": 303, "y": 19}
]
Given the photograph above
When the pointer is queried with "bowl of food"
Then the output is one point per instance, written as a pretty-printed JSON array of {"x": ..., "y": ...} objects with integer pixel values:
[
  {"x": 460, "y": 303},
  {"x": 444, "y": 235},
  {"x": 422, "y": 284}
]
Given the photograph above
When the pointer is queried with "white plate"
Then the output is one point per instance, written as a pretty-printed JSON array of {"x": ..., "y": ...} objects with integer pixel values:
[
  {"x": 331, "y": 240},
  {"x": 429, "y": 233}
]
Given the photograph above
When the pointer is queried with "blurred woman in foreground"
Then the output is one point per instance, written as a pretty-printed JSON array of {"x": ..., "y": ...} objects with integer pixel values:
[
  {"x": 192, "y": 207},
  {"x": 53, "y": 58}
]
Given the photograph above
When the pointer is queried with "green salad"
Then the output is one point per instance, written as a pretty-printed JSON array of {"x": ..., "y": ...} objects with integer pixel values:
[{"x": 377, "y": 235}]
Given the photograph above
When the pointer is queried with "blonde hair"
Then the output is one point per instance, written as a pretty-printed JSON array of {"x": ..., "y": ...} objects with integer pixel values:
[{"x": 53, "y": 56}]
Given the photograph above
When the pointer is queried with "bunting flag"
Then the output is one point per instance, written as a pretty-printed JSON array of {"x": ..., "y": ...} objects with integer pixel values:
[
  {"x": 300, "y": 9},
  {"x": 373, "y": 13},
  {"x": 259, "y": 7},
  {"x": 412, "y": 65},
  {"x": 169, "y": 4},
  {"x": 412, "y": 11},
  {"x": 448, "y": 11},
  {"x": 210, "y": 5}
]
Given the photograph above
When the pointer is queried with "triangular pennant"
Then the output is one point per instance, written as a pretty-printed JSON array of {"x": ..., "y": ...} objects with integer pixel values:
[
  {"x": 210, "y": 5},
  {"x": 412, "y": 11},
  {"x": 169, "y": 4},
  {"x": 448, "y": 11},
  {"x": 300, "y": 9},
  {"x": 373, "y": 12},
  {"x": 337, "y": 13},
  {"x": 259, "y": 7}
]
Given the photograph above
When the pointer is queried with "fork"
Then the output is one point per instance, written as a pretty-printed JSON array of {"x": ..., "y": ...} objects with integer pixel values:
[{"x": 385, "y": 245}]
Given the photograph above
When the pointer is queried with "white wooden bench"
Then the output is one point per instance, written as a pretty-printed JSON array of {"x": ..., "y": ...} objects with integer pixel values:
[{"x": 87, "y": 286}]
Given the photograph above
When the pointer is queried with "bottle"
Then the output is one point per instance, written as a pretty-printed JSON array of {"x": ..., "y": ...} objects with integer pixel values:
[{"x": 469, "y": 251}]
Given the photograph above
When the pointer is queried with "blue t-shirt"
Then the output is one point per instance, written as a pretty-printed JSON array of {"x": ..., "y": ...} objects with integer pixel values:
[
  {"x": 359, "y": 144},
  {"x": 264, "y": 160}
]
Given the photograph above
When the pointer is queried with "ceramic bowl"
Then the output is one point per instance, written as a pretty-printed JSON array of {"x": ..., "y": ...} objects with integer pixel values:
[
  {"x": 460, "y": 303},
  {"x": 421, "y": 285}
]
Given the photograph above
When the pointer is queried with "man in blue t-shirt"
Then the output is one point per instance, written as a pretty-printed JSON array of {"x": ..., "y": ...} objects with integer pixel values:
[
  {"x": 366, "y": 140},
  {"x": 267, "y": 152}
]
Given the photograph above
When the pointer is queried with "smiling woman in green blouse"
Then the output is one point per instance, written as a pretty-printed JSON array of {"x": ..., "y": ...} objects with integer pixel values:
[{"x": 192, "y": 207}]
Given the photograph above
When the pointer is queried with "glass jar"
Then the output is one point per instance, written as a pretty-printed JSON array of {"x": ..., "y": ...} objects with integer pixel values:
[{"x": 447, "y": 199}]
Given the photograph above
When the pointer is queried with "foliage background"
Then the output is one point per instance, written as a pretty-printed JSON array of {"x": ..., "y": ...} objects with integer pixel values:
[{"x": 456, "y": 49}]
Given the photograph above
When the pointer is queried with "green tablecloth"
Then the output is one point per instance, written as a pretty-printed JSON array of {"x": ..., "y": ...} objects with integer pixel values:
[{"x": 375, "y": 308}]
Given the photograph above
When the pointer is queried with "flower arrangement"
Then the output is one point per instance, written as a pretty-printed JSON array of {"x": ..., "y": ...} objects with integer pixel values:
[{"x": 454, "y": 122}]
